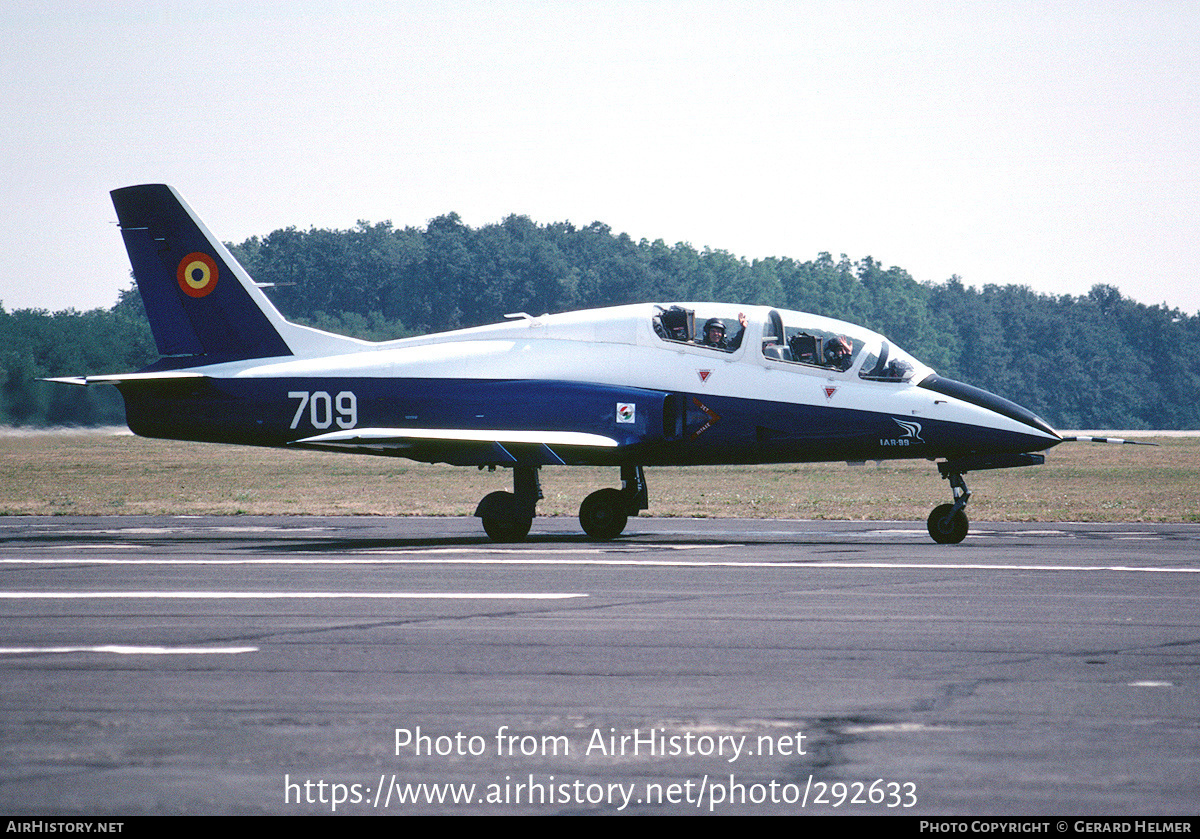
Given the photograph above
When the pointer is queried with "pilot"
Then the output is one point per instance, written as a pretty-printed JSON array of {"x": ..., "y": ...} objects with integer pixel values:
[
  {"x": 897, "y": 369},
  {"x": 838, "y": 351},
  {"x": 714, "y": 334}
]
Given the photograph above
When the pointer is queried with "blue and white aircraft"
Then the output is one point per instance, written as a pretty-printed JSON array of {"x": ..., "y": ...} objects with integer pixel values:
[{"x": 627, "y": 386}]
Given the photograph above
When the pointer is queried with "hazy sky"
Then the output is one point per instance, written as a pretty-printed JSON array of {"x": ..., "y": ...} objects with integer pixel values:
[{"x": 1052, "y": 144}]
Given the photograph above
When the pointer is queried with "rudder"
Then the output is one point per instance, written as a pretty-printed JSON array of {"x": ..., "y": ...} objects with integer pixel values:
[{"x": 199, "y": 300}]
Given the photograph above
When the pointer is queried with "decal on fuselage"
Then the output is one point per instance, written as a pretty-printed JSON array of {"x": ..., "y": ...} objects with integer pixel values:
[
  {"x": 911, "y": 436},
  {"x": 626, "y": 412},
  {"x": 712, "y": 415},
  {"x": 322, "y": 408}
]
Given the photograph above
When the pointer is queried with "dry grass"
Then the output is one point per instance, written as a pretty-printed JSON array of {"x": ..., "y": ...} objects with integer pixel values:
[{"x": 92, "y": 474}]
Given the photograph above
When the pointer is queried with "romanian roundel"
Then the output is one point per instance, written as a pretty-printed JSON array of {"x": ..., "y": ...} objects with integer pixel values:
[{"x": 197, "y": 274}]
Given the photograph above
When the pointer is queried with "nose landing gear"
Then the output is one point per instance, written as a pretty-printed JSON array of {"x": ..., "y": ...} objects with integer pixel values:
[{"x": 948, "y": 523}]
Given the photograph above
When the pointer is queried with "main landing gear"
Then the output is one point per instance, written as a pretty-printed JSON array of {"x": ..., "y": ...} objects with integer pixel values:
[
  {"x": 605, "y": 512},
  {"x": 948, "y": 523},
  {"x": 507, "y": 516}
]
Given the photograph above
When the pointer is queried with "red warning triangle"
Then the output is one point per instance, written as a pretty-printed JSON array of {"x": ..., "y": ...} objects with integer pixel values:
[{"x": 704, "y": 374}]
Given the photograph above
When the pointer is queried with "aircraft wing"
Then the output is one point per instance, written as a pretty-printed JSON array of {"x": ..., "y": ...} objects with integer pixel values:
[{"x": 461, "y": 447}]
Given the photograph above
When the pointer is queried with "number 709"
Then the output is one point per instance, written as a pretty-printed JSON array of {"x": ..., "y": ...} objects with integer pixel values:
[{"x": 324, "y": 410}]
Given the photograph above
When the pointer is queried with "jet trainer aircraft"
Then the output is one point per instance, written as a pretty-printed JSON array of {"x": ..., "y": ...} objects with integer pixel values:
[{"x": 627, "y": 386}]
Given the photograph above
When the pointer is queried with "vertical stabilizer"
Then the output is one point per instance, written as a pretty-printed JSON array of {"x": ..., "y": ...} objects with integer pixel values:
[{"x": 199, "y": 300}]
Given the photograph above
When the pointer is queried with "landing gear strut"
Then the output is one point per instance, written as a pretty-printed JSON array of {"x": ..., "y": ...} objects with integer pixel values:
[
  {"x": 948, "y": 523},
  {"x": 605, "y": 512},
  {"x": 507, "y": 516}
]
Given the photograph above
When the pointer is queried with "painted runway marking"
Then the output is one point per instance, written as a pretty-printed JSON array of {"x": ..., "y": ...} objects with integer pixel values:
[
  {"x": 172, "y": 531},
  {"x": 278, "y": 595},
  {"x": 327, "y": 560},
  {"x": 520, "y": 557},
  {"x": 126, "y": 649},
  {"x": 874, "y": 566}
]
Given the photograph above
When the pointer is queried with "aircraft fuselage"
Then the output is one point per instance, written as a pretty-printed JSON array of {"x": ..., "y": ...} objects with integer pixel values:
[{"x": 603, "y": 373}]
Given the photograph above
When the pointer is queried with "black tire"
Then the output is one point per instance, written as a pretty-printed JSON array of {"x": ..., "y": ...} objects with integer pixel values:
[
  {"x": 502, "y": 521},
  {"x": 604, "y": 514},
  {"x": 947, "y": 527}
]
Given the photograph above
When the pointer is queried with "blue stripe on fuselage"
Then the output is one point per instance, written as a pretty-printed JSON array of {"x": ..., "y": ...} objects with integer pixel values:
[
  {"x": 664, "y": 429},
  {"x": 277, "y": 411}
]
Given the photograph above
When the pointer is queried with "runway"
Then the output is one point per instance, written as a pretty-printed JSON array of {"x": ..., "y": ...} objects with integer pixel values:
[{"x": 359, "y": 665}]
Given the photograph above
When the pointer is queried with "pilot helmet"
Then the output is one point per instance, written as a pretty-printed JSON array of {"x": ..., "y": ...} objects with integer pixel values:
[
  {"x": 837, "y": 348},
  {"x": 714, "y": 323}
]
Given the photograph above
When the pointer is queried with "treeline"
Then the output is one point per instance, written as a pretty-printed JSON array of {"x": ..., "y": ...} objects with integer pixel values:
[
  {"x": 35, "y": 343},
  {"x": 1094, "y": 361}
]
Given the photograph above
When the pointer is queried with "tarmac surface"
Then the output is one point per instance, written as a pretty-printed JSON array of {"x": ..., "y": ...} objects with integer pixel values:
[{"x": 295, "y": 665}]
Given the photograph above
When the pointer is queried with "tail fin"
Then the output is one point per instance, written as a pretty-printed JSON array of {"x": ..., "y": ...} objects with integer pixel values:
[{"x": 199, "y": 300}]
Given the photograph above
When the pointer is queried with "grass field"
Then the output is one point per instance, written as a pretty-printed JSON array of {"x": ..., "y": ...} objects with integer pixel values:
[{"x": 87, "y": 473}]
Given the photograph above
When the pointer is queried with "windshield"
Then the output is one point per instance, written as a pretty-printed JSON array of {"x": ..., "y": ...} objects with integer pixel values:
[{"x": 888, "y": 363}]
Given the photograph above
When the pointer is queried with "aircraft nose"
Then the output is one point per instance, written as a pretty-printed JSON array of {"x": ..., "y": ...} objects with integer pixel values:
[{"x": 992, "y": 402}]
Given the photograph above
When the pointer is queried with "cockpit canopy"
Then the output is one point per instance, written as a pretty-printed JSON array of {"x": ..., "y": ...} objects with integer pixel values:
[{"x": 795, "y": 340}]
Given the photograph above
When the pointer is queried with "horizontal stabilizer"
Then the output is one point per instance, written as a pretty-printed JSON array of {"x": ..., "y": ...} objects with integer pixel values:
[{"x": 120, "y": 378}]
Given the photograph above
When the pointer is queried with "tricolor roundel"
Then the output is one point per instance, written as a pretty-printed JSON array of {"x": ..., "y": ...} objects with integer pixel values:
[{"x": 197, "y": 274}]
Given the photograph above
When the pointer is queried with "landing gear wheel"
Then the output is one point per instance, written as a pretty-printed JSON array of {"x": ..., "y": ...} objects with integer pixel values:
[
  {"x": 946, "y": 526},
  {"x": 502, "y": 519},
  {"x": 604, "y": 513}
]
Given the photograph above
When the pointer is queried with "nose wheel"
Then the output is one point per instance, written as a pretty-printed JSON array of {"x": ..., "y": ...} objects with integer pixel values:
[
  {"x": 948, "y": 523},
  {"x": 948, "y": 526}
]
